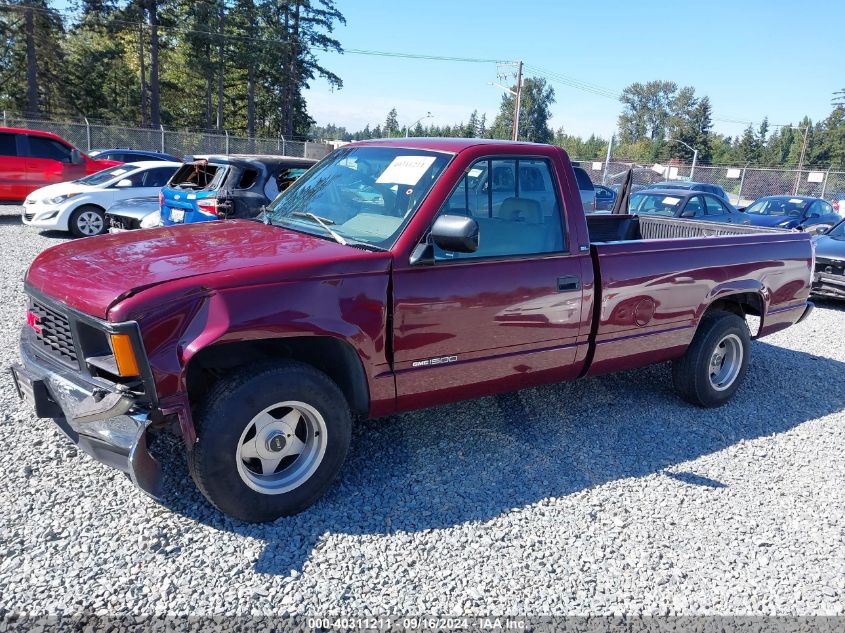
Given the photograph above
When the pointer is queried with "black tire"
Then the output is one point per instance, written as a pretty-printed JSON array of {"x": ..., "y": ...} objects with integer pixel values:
[
  {"x": 75, "y": 222},
  {"x": 229, "y": 409},
  {"x": 691, "y": 373}
]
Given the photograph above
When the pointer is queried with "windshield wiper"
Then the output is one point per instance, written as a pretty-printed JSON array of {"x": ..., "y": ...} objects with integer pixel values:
[{"x": 324, "y": 222}]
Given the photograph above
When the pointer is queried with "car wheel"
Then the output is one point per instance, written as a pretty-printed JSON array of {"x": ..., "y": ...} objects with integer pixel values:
[
  {"x": 271, "y": 441},
  {"x": 87, "y": 221},
  {"x": 715, "y": 364}
]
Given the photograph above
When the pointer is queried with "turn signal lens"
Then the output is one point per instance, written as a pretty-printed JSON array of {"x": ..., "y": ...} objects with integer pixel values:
[{"x": 127, "y": 364}]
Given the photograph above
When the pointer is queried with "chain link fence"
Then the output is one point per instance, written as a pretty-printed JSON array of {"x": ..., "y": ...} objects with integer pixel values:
[
  {"x": 89, "y": 136},
  {"x": 743, "y": 184}
]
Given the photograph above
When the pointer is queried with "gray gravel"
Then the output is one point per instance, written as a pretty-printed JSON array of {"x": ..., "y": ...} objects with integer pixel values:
[{"x": 604, "y": 496}]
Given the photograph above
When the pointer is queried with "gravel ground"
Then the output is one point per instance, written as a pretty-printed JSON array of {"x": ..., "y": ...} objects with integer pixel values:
[{"x": 605, "y": 496}]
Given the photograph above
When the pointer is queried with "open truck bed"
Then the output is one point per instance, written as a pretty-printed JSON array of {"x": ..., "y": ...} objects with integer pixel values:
[{"x": 656, "y": 277}]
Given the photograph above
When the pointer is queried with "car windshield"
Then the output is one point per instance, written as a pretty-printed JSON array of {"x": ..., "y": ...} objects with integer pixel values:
[
  {"x": 362, "y": 194},
  {"x": 654, "y": 204},
  {"x": 778, "y": 206},
  {"x": 838, "y": 231},
  {"x": 104, "y": 176}
]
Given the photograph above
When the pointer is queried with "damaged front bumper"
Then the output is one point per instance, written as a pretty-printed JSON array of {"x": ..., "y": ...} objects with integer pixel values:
[
  {"x": 103, "y": 420},
  {"x": 828, "y": 285}
]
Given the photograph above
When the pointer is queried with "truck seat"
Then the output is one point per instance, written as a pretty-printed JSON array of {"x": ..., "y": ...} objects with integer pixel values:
[{"x": 521, "y": 210}]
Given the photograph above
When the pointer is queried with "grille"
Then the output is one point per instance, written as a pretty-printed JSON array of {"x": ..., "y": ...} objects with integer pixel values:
[
  {"x": 120, "y": 222},
  {"x": 28, "y": 216},
  {"x": 55, "y": 336},
  {"x": 830, "y": 267}
]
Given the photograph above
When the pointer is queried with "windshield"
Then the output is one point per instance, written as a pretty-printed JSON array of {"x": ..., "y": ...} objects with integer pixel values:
[
  {"x": 778, "y": 206},
  {"x": 102, "y": 177},
  {"x": 837, "y": 232},
  {"x": 654, "y": 204},
  {"x": 363, "y": 194}
]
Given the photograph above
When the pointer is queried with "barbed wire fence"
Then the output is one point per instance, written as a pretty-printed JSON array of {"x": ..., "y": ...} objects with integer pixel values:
[
  {"x": 742, "y": 183},
  {"x": 178, "y": 142}
]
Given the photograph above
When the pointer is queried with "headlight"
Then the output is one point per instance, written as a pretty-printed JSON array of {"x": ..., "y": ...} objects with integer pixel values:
[
  {"x": 151, "y": 220},
  {"x": 61, "y": 198}
]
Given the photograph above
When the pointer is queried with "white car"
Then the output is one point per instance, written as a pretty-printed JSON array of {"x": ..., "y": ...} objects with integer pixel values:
[{"x": 80, "y": 206}]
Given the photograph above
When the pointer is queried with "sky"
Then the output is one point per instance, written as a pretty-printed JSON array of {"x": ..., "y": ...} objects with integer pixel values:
[{"x": 752, "y": 58}]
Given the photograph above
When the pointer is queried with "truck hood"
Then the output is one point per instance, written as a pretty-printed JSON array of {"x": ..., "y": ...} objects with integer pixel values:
[{"x": 92, "y": 274}]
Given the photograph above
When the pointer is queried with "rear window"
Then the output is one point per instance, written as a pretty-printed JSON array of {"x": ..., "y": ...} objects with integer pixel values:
[
  {"x": 198, "y": 175},
  {"x": 584, "y": 182}
]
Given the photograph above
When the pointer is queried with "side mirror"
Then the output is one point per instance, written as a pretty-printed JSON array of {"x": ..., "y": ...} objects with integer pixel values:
[
  {"x": 455, "y": 233},
  {"x": 126, "y": 182},
  {"x": 819, "y": 229},
  {"x": 690, "y": 213},
  {"x": 76, "y": 157}
]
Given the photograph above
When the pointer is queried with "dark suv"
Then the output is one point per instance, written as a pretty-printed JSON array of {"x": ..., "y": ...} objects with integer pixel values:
[
  {"x": 689, "y": 185},
  {"x": 231, "y": 186}
]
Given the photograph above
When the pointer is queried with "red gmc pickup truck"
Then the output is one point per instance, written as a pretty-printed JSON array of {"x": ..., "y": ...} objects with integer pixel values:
[{"x": 394, "y": 275}]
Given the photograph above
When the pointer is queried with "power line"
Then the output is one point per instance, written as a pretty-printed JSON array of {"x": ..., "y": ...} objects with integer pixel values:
[{"x": 554, "y": 76}]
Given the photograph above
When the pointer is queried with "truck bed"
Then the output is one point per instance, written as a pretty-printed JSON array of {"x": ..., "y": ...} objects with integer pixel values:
[
  {"x": 656, "y": 276},
  {"x": 622, "y": 228}
]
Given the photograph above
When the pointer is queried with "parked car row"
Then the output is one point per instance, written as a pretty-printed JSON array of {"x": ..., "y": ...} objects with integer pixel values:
[{"x": 123, "y": 189}]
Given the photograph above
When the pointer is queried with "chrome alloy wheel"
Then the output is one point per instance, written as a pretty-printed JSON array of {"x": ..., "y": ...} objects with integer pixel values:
[
  {"x": 726, "y": 362},
  {"x": 89, "y": 223},
  {"x": 281, "y": 447}
]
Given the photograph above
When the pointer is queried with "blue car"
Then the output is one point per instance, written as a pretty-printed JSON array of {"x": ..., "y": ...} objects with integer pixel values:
[
  {"x": 231, "y": 186},
  {"x": 125, "y": 155},
  {"x": 792, "y": 212},
  {"x": 679, "y": 203}
]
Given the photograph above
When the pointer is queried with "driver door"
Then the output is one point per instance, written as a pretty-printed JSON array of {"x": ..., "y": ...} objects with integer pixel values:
[{"x": 505, "y": 317}]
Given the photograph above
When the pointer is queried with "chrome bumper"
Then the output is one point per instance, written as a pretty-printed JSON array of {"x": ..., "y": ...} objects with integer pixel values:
[{"x": 117, "y": 436}]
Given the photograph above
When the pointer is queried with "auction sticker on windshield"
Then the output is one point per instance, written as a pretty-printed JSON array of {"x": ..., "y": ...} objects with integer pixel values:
[
  {"x": 671, "y": 200},
  {"x": 406, "y": 170}
]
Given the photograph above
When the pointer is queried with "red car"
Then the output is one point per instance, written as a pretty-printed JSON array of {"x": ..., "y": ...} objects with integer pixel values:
[
  {"x": 394, "y": 275},
  {"x": 31, "y": 159}
]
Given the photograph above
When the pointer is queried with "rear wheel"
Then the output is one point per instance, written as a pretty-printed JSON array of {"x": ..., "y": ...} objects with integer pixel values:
[
  {"x": 271, "y": 441},
  {"x": 87, "y": 221},
  {"x": 715, "y": 364}
]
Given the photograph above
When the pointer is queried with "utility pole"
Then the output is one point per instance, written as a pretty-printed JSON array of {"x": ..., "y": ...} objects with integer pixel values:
[
  {"x": 607, "y": 159},
  {"x": 517, "y": 103},
  {"x": 801, "y": 160}
]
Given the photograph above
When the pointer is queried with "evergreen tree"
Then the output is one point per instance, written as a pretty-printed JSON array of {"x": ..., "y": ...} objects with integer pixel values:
[
  {"x": 534, "y": 112},
  {"x": 391, "y": 123}
]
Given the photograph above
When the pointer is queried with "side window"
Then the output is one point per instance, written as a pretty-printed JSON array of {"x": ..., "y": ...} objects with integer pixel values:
[
  {"x": 525, "y": 218},
  {"x": 694, "y": 205},
  {"x": 714, "y": 206},
  {"x": 137, "y": 178},
  {"x": 248, "y": 178},
  {"x": 826, "y": 208},
  {"x": 8, "y": 144},
  {"x": 158, "y": 177},
  {"x": 42, "y": 147}
]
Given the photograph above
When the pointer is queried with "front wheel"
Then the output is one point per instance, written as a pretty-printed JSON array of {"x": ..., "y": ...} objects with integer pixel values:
[
  {"x": 87, "y": 221},
  {"x": 270, "y": 441},
  {"x": 715, "y": 364}
]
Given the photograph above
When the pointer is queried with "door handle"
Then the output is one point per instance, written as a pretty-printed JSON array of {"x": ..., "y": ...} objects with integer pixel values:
[{"x": 568, "y": 283}]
